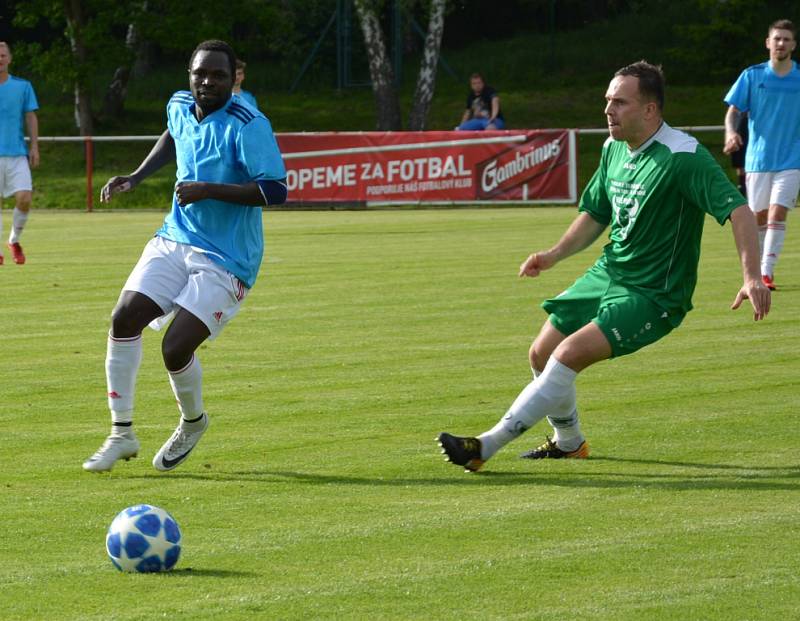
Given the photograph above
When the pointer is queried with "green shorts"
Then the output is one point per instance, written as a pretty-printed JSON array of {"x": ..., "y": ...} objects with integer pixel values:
[{"x": 629, "y": 319}]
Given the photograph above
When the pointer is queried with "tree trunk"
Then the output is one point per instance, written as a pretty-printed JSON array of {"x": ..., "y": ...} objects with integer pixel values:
[
  {"x": 114, "y": 102},
  {"x": 141, "y": 52},
  {"x": 380, "y": 71},
  {"x": 426, "y": 80},
  {"x": 73, "y": 10},
  {"x": 141, "y": 48}
]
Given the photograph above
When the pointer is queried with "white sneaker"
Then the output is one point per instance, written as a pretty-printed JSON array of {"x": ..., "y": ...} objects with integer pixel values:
[
  {"x": 114, "y": 448},
  {"x": 177, "y": 448}
]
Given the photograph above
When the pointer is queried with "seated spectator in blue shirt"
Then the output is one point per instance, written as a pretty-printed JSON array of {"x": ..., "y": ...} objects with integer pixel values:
[
  {"x": 483, "y": 107},
  {"x": 237, "y": 85}
]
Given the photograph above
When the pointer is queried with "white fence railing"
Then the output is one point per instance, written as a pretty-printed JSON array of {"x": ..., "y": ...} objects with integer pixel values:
[{"x": 90, "y": 140}]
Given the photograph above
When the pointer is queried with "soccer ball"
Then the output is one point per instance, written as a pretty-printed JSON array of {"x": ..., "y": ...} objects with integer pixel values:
[{"x": 143, "y": 538}]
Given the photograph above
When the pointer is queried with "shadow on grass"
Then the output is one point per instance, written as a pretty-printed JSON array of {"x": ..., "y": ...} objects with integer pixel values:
[
  {"x": 712, "y": 477},
  {"x": 191, "y": 572},
  {"x": 791, "y": 471}
]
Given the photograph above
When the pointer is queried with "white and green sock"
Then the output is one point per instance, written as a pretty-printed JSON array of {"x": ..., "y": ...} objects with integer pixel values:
[
  {"x": 550, "y": 394},
  {"x": 567, "y": 432}
]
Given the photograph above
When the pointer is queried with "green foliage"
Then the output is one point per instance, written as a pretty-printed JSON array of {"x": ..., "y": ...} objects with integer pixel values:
[
  {"x": 723, "y": 38},
  {"x": 318, "y": 491},
  {"x": 177, "y": 26},
  {"x": 103, "y": 34}
]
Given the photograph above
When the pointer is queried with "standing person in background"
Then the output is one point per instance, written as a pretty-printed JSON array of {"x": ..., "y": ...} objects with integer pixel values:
[
  {"x": 237, "y": 84},
  {"x": 483, "y": 107},
  {"x": 737, "y": 157},
  {"x": 770, "y": 94},
  {"x": 18, "y": 106}
]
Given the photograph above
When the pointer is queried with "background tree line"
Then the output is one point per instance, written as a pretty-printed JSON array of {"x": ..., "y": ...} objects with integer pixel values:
[{"x": 91, "y": 49}]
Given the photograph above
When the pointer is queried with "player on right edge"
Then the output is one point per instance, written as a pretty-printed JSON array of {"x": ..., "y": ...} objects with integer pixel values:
[
  {"x": 770, "y": 94},
  {"x": 654, "y": 187}
]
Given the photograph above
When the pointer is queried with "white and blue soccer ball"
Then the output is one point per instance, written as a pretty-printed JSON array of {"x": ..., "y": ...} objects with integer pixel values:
[{"x": 143, "y": 538}]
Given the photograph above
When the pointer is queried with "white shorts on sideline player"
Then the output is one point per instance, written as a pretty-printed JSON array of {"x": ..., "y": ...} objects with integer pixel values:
[
  {"x": 178, "y": 275},
  {"x": 772, "y": 188},
  {"x": 15, "y": 175}
]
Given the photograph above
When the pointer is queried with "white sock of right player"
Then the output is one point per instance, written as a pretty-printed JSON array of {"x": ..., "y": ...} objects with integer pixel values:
[
  {"x": 187, "y": 384},
  {"x": 773, "y": 244},
  {"x": 762, "y": 233},
  {"x": 550, "y": 394},
  {"x": 567, "y": 432},
  {"x": 123, "y": 357}
]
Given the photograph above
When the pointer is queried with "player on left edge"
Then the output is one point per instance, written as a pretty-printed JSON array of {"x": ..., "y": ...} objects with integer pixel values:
[{"x": 202, "y": 262}]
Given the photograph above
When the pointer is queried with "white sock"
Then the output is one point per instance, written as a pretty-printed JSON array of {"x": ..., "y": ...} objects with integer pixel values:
[
  {"x": 1, "y": 226},
  {"x": 18, "y": 223},
  {"x": 762, "y": 233},
  {"x": 567, "y": 432},
  {"x": 123, "y": 357},
  {"x": 551, "y": 394},
  {"x": 187, "y": 384},
  {"x": 773, "y": 244}
]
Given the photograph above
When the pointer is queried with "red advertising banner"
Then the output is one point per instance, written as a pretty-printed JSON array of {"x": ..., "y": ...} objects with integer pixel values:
[{"x": 378, "y": 168}]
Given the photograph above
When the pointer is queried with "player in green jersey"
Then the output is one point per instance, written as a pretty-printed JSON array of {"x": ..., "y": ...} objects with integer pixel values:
[{"x": 653, "y": 188}]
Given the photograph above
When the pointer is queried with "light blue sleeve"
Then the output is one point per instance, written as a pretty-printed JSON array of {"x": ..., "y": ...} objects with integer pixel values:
[
  {"x": 739, "y": 95},
  {"x": 258, "y": 152},
  {"x": 249, "y": 98},
  {"x": 30, "y": 104}
]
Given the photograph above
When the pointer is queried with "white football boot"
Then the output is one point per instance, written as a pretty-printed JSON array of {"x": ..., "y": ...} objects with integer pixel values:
[
  {"x": 115, "y": 447},
  {"x": 183, "y": 440}
]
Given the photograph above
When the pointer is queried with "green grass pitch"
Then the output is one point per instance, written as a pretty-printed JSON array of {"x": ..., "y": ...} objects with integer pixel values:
[{"x": 318, "y": 491}]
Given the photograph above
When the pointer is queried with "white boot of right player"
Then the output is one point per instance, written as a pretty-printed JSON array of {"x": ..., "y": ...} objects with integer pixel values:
[{"x": 115, "y": 447}]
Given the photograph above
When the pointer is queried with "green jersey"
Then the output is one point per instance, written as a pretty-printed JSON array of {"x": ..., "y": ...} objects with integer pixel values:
[{"x": 655, "y": 199}]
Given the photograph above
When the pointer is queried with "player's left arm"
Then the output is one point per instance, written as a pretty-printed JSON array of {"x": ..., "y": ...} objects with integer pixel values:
[
  {"x": 745, "y": 233},
  {"x": 257, "y": 152},
  {"x": 705, "y": 184},
  {"x": 253, "y": 193},
  {"x": 32, "y": 124}
]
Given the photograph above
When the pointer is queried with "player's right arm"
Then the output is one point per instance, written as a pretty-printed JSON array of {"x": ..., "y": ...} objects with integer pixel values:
[
  {"x": 733, "y": 140},
  {"x": 594, "y": 217},
  {"x": 581, "y": 234},
  {"x": 162, "y": 153}
]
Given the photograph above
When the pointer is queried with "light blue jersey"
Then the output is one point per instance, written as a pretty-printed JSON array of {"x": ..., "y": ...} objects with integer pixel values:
[
  {"x": 773, "y": 105},
  {"x": 234, "y": 144},
  {"x": 16, "y": 98},
  {"x": 248, "y": 97}
]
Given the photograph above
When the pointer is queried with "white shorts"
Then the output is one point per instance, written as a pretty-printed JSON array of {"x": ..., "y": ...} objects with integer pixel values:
[
  {"x": 15, "y": 175},
  {"x": 772, "y": 188},
  {"x": 178, "y": 275}
]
